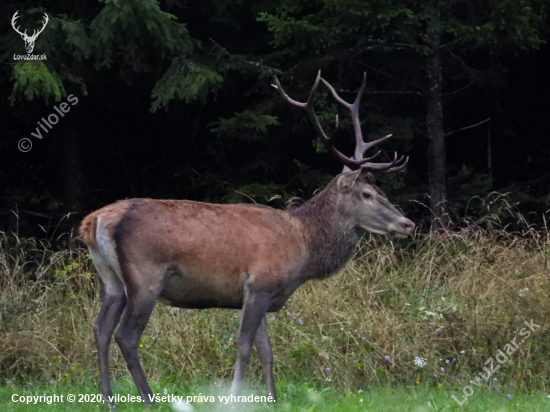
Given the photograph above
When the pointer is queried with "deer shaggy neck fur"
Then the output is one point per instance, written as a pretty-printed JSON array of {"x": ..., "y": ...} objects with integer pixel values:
[{"x": 330, "y": 238}]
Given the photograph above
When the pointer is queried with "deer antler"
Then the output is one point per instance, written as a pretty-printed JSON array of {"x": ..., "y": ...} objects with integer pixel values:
[
  {"x": 308, "y": 107},
  {"x": 360, "y": 146},
  {"x": 35, "y": 32},
  {"x": 15, "y": 17},
  {"x": 357, "y": 161}
]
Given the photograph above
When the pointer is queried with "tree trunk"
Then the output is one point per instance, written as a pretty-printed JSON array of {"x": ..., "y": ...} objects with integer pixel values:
[{"x": 437, "y": 161}]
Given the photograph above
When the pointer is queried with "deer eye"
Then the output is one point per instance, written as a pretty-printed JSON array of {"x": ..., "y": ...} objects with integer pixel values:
[{"x": 366, "y": 195}]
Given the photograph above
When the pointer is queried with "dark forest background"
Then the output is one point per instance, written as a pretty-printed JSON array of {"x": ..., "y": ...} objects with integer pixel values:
[{"x": 174, "y": 101}]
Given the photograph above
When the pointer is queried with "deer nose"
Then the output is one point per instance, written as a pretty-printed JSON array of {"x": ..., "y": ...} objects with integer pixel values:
[{"x": 407, "y": 226}]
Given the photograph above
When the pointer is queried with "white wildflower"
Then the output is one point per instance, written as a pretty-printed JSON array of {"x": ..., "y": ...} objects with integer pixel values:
[{"x": 419, "y": 362}]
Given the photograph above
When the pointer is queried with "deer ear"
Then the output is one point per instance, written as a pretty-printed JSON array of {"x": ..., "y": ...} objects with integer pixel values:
[{"x": 347, "y": 180}]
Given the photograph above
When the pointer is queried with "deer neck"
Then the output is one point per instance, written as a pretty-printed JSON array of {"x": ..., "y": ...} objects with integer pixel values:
[{"x": 330, "y": 239}]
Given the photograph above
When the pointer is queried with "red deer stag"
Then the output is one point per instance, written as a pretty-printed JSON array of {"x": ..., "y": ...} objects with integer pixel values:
[{"x": 199, "y": 255}]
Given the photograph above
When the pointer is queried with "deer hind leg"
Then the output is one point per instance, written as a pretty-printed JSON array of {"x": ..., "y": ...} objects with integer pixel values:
[
  {"x": 142, "y": 297},
  {"x": 265, "y": 353},
  {"x": 254, "y": 309},
  {"x": 113, "y": 301}
]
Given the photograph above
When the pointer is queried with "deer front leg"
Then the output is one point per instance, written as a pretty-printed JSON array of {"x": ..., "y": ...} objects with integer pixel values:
[
  {"x": 265, "y": 353},
  {"x": 254, "y": 309}
]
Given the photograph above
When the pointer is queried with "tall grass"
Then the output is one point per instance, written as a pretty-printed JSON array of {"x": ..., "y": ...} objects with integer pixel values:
[{"x": 452, "y": 304}]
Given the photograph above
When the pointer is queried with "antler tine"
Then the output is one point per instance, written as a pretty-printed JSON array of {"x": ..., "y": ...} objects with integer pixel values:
[
  {"x": 372, "y": 157},
  {"x": 360, "y": 145},
  {"x": 393, "y": 166},
  {"x": 353, "y": 105},
  {"x": 375, "y": 142},
  {"x": 307, "y": 106},
  {"x": 309, "y": 101},
  {"x": 397, "y": 168}
]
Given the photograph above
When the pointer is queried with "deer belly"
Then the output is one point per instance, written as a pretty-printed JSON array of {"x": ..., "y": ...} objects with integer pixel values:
[{"x": 185, "y": 288}]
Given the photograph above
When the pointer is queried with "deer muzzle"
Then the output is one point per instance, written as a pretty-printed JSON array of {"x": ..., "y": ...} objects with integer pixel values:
[{"x": 402, "y": 228}]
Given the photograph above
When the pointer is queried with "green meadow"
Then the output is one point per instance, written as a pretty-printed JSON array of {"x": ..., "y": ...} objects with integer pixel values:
[{"x": 405, "y": 326}]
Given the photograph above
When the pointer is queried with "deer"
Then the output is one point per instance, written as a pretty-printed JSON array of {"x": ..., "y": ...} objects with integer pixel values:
[
  {"x": 191, "y": 254},
  {"x": 29, "y": 40}
]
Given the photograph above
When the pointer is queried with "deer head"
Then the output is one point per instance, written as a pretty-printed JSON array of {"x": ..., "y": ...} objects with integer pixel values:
[
  {"x": 362, "y": 203},
  {"x": 29, "y": 40}
]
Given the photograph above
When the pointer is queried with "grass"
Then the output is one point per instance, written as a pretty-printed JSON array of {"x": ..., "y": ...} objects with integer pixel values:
[
  {"x": 409, "y": 320},
  {"x": 294, "y": 397}
]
